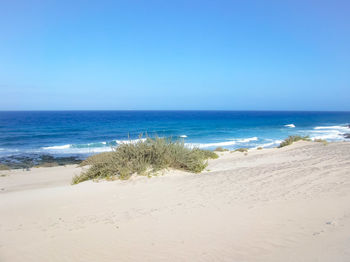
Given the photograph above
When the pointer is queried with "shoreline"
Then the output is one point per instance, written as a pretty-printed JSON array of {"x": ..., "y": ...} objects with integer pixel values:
[
  {"x": 53, "y": 150},
  {"x": 35, "y": 160},
  {"x": 241, "y": 208}
]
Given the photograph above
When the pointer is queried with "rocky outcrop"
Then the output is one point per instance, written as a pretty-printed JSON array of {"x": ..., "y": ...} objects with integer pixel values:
[{"x": 347, "y": 135}]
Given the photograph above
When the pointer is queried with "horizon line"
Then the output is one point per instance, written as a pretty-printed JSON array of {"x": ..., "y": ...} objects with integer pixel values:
[{"x": 171, "y": 110}]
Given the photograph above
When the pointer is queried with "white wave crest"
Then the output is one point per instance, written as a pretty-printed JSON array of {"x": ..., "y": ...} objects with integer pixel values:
[
  {"x": 57, "y": 147},
  {"x": 120, "y": 142},
  {"x": 72, "y": 150},
  {"x": 229, "y": 143},
  {"x": 332, "y": 127},
  {"x": 85, "y": 150},
  {"x": 207, "y": 145},
  {"x": 183, "y": 136},
  {"x": 247, "y": 140},
  {"x": 290, "y": 125},
  {"x": 330, "y": 133},
  {"x": 270, "y": 144},
  {"x": 328, "y": 136}
]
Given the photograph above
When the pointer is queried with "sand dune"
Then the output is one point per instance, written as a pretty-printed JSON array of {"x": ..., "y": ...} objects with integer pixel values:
[{"x": 288, "y": 204}]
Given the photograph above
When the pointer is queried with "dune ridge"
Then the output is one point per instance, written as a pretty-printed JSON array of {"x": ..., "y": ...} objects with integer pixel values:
[{"x": 286, "y": 204}]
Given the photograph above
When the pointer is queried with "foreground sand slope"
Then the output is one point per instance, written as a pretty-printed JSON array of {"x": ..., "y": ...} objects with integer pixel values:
[{"x": 288, "y": 204}]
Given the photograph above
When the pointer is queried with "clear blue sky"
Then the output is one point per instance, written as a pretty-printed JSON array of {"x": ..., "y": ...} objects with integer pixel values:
[{"x": 233, "y": 55}]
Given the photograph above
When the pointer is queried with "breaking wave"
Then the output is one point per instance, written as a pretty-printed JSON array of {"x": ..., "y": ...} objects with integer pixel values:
[
  {"x": 97, "y": 147},
  {"x": 230, "y": 143},
  {"x": 290, "y": 125},
  {"x": 331, "y": 133}
]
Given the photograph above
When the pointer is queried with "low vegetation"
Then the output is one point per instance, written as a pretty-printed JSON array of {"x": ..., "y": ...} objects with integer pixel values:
[
  {"x": 47, "y": 164},
  {"x": 243, "y": 150},
  {"x": 221, "y": 149},
  {"x": 259, "y": 148},
  {"x": 321, "y": 141},
  {"x": 291, "y": 139},
  {"x": 143, "y": 158},
  {"x": 4, "y": 167}
]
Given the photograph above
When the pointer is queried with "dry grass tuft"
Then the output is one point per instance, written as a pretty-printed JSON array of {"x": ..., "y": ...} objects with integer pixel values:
[
  {"x": 4, "y": 167},
  {"x": 321, "y": 141},
  {"x": 47, "y": 164},
  {"x": 242, "y": 150},
  {"x": 291, "y": 139},
  {"x": 221, "y": 149},
  {"x": 142, "y": 158}
]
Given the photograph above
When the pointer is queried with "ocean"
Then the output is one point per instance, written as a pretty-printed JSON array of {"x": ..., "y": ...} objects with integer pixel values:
[{"x": 82, "y": 133}]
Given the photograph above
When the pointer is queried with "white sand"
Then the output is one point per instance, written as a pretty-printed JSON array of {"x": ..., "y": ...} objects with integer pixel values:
[{"x": 289, "y": 204}]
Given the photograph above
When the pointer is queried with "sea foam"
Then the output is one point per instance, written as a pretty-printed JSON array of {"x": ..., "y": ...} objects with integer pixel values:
[
  {"x": 327, "y": 135},
  {"x": 290, "y": 125},
  {"x": 57, "y": 147},
  {"x": 223, "y": 143},
  {"x": 331, "y": 133},
  {"x": 96, "y": 147},
  {"x": 208, "y": 145},
  {"x": 247, "y": 140},
  {"x": 270, "y": 144},
  {"x": 134, "y": 141}
]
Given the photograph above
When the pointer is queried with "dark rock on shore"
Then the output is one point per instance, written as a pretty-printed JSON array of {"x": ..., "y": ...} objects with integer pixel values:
[
  {"x": 35, "y": 160},
  {"x": 347, "y": 135}
]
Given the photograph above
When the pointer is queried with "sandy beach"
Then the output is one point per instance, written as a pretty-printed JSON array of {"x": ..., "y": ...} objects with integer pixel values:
[{"x": 287, "y": 204}]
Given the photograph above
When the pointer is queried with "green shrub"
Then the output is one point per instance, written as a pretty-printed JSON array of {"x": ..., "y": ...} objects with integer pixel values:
[
  {"x": 143, "y": 157},
  {"x": 220, "y": 149},
  {"x": 291, "y": 139},
  {"x": 101, "y": 157},
  {"x": 243, "y": 150}
]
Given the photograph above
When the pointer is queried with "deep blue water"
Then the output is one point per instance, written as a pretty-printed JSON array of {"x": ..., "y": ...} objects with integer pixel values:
[{"x": 84, "y": 132}]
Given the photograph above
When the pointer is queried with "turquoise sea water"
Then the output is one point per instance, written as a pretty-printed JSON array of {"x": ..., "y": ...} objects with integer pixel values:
[{"x": 86, "y": 132}]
